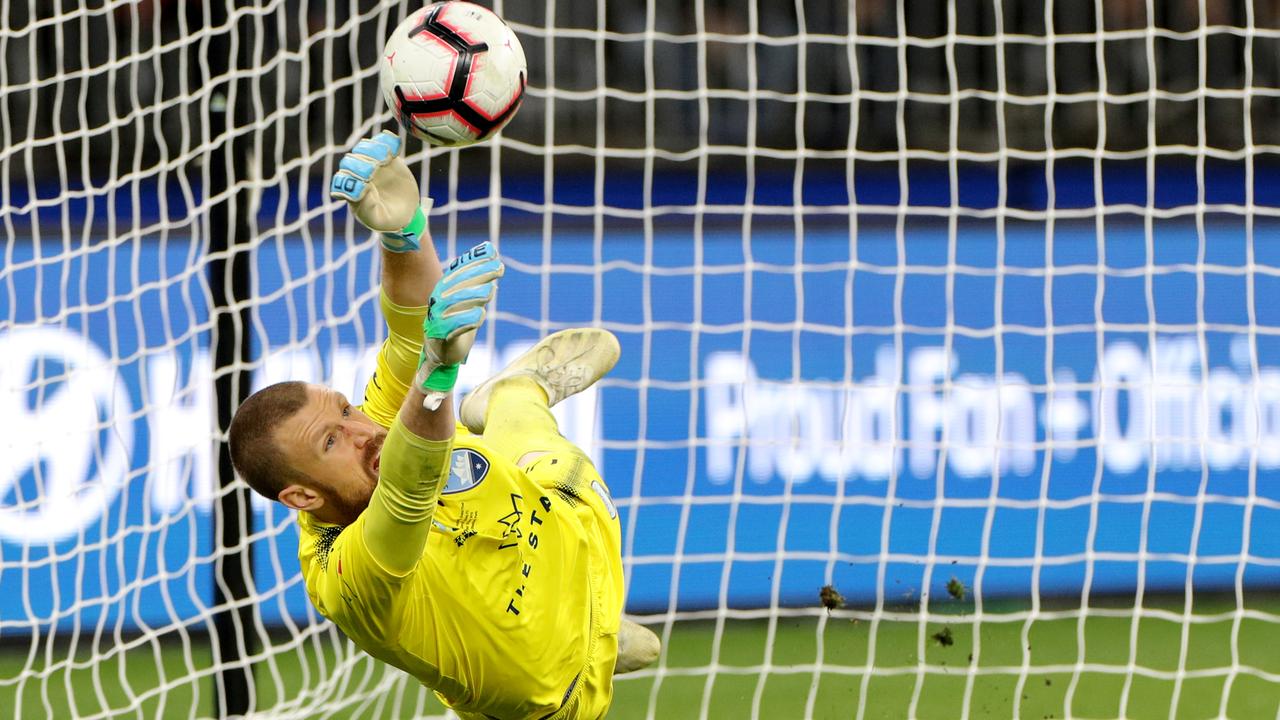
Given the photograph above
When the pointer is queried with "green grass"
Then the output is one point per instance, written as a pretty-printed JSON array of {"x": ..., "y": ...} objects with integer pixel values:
[
  {"x": 943, "y": 679},
  {"x": 149, "y": 678}
]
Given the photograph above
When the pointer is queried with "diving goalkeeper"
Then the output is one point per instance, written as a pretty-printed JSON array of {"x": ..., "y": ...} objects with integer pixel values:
[{"x": 483, "y": 558}]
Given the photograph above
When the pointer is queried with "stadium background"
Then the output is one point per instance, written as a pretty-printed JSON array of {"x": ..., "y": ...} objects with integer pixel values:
[{"x": 1070, "y": 247}]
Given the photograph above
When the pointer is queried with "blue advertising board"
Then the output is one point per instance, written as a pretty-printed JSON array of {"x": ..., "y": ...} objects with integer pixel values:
[{"x": 1027, "y": 408}]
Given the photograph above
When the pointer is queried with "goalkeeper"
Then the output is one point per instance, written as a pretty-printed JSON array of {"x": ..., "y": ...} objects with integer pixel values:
[{"x": 487, "y": 566}]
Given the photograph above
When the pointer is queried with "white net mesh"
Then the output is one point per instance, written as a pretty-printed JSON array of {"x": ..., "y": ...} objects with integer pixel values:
[{"x": 950, "y": 380}]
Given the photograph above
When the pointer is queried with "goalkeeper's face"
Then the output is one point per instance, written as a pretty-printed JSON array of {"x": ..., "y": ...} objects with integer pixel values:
[{"x": 337, "y": 448}]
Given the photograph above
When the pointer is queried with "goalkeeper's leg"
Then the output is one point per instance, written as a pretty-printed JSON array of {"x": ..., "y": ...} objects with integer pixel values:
[
  {"x": 521, "y": 426},
  {"x": 513, "y": 411}
]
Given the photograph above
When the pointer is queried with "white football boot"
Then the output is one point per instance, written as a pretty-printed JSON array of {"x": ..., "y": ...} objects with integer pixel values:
[
  {"x": 638, "y": 647},
  {"x": 563, "y": 364}
]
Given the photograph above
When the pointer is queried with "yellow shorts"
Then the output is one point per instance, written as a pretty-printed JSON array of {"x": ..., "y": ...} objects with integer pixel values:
[
  {"x": 519, "y": 423},
  {"x": 577, "y": 481}
]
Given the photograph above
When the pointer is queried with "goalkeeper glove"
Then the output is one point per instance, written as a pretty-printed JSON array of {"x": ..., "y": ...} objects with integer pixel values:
[
  {"x": 382, "y": 192},
  {"x": 454, "y": 313}
]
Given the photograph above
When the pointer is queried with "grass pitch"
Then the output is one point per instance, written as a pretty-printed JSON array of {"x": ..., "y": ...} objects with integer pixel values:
[{"x": 735, "y": 671}]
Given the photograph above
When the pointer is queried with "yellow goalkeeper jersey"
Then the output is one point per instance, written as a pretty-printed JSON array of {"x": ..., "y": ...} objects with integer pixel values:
[{"x": 499, "y": 610}]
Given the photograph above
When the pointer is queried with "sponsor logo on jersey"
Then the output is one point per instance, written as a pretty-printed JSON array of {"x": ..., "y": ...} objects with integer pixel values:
[{"x": 467, "y": 469}]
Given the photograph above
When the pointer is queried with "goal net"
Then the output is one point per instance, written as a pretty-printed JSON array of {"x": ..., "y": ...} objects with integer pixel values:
[{"x": 950, "y": 382}]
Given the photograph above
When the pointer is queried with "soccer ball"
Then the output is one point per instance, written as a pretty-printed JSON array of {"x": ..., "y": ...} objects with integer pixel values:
[{"x": 453, "y": 73}]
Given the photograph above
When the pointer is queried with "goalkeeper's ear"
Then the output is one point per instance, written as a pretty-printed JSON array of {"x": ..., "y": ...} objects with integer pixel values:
[{"x": 300, "y": 497}]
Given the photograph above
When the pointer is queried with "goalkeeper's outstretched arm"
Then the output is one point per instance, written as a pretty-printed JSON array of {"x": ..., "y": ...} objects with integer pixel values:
[
  {"x": 415, "y": 455},
  {"x": 384, "y": 196},
  {"x": 381, "y": 192}
]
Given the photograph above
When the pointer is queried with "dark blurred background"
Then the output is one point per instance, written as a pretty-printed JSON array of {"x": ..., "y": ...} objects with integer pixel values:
[{"x": 91, "y": 91}]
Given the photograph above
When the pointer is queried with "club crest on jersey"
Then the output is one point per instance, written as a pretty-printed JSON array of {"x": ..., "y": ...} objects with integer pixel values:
[{"x": 467, "y": 468}]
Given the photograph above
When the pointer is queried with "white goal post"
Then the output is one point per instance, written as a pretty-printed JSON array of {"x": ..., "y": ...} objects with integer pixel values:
[{"x": 951, "y": 343}]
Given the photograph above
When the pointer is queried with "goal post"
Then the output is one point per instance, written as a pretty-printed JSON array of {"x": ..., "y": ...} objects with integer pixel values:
[
  {"x": 233, "y": 643},
  {"x": 950, "y": 381}
]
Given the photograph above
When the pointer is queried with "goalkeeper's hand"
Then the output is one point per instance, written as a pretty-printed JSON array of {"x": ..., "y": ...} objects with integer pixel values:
[
  {"x": 454, "y": 313},
  {"x": 382, "y": 192}
]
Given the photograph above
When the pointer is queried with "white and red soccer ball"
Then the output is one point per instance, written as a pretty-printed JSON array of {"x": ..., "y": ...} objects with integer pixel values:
[{"x": 453, "y": 73}]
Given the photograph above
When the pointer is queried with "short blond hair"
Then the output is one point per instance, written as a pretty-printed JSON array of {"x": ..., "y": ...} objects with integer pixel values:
[{"x": 256, "y": 455}]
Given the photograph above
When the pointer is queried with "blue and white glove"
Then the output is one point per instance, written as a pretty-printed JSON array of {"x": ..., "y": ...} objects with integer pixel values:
[
  {"x": 454, "y": 314},
  {"x": 382, "y": 192}
]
